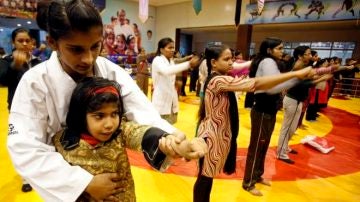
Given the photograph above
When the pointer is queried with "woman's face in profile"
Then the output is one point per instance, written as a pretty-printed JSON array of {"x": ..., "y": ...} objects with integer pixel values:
[{"x": 277, "y": 52}]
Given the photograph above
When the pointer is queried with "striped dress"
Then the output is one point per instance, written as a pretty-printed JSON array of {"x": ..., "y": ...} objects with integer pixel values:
[{"x": 215, "y": 127}]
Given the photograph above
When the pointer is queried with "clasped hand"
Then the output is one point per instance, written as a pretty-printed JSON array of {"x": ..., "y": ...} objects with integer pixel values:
[{"x": 176, "y": 145}]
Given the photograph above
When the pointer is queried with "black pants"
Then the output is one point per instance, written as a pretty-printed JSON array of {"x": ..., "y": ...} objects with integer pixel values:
[
  {"x": 313, "y": 108},
  {"x": 194, "y": 76},
  {"x": 182, "y": 89},
  {"x": 262, "y": 126},
  {"x": 249, "y": 100},
  {"x": 202, "y": 187}
]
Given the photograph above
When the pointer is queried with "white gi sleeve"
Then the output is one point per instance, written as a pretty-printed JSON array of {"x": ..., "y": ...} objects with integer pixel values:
[
  {"x": 137, "y": 106},
  {"x": 30, "y": 149},
  {"x": 160, "y": 65}
]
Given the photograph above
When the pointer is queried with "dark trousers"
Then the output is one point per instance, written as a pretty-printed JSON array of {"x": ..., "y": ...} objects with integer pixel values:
[
  {"x": 202, "y": 187},
  {"x": 182, "y": 91},
  {"x": 303, "y": 110},
  {"x": 313, "y": 108},
  {"x": 194, "y": 75},
  {"x": 249, "y": 100},
  {"x": 332, "y": 84},
  {"x": 262, "y": 126}
]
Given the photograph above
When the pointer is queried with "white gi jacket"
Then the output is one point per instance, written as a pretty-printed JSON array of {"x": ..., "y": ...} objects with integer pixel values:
[
  {"x": 163, "y": 72},
  {"x": 39, "y": 110}
]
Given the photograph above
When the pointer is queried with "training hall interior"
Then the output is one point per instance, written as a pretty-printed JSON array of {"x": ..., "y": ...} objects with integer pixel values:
[{"x": 329, "y": 27}]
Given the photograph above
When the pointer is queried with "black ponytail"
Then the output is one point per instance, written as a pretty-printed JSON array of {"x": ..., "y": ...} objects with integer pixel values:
[{"x": 59, "y": 18}]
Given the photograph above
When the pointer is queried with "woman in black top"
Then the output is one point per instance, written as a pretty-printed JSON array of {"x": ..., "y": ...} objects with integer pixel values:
[
  {"x": 16, "y": 64},
  {"x": 13, "y": 66}
]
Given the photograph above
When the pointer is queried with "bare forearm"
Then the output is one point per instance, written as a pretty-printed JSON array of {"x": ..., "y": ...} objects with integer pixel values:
[
  {"x": 181, "y": 60},
  {"x": 267, "y": 82},
  {"x": 323, "y": 78}
]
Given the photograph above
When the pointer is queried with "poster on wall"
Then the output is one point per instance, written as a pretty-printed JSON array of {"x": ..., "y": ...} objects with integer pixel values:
[
  {"x": 124, "y": 34},
  {"x": 303, "y": 11},
  {"x": 18, "y": 8},
  {"x": 27, "y": 8}
]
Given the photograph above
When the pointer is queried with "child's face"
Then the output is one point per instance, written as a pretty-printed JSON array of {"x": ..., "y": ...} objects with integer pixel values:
[
  {"x": 110, "y": 39},
  {"x": 132, "y": 44},
  {"x": 120, "y": 42},
  {"x": 224, "y": 63},
  {"x": 102, "y": 123}
]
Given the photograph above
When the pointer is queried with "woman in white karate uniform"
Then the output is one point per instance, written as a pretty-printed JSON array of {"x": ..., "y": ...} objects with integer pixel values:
[
  {"x": 163, "y": 72},
  {"x": 42, "y": 98}
]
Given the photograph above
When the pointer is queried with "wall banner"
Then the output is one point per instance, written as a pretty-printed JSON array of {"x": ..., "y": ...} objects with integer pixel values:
[{"x": 303, "y": 11}]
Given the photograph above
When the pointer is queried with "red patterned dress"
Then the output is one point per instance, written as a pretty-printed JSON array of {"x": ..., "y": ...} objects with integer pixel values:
[{"x": 215, "y": 127}]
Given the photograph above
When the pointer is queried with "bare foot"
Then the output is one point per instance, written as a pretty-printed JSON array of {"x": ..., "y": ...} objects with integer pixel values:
[
  {"x": 265, "y": 182},
  {"x": 255, "y": 192}
]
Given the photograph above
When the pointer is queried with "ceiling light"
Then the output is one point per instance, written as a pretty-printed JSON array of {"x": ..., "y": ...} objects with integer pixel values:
[
  {"x": 29, "y": 22},
  {"x": 19, "y": 25}
]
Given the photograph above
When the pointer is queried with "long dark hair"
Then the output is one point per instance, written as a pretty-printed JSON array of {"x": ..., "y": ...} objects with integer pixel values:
[
  {"x": 300, "y": 51},
  {"x": 321, "y": 62},
  {"x": 268, "y": 43},
  {"x": 162, "y": 43},
  {"x": 86, "y": 98},
  {"x": 59, "y": 18},
  {"x": 211, "y": 52},
  {"x": 214, "y": 52}
]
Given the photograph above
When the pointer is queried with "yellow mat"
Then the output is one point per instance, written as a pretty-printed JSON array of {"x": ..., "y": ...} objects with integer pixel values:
[{"x": 152, "y": 186}]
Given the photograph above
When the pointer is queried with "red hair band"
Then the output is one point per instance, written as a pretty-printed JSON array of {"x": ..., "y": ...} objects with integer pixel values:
[{"x": 107, "y": 89}]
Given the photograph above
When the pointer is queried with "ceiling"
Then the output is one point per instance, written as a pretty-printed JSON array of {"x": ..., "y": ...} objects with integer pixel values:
[
  {"x": 163, "y": 2},
  {"x": 13, "y": 22}
]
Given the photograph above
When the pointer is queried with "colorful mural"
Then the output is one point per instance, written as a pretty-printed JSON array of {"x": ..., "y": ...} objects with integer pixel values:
[
  {"x": 303, "y": 11},
  {"x": 27, "y": 8},
  {"x": 18, "y": 8},
  {"x": 124, "y": 34}
]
